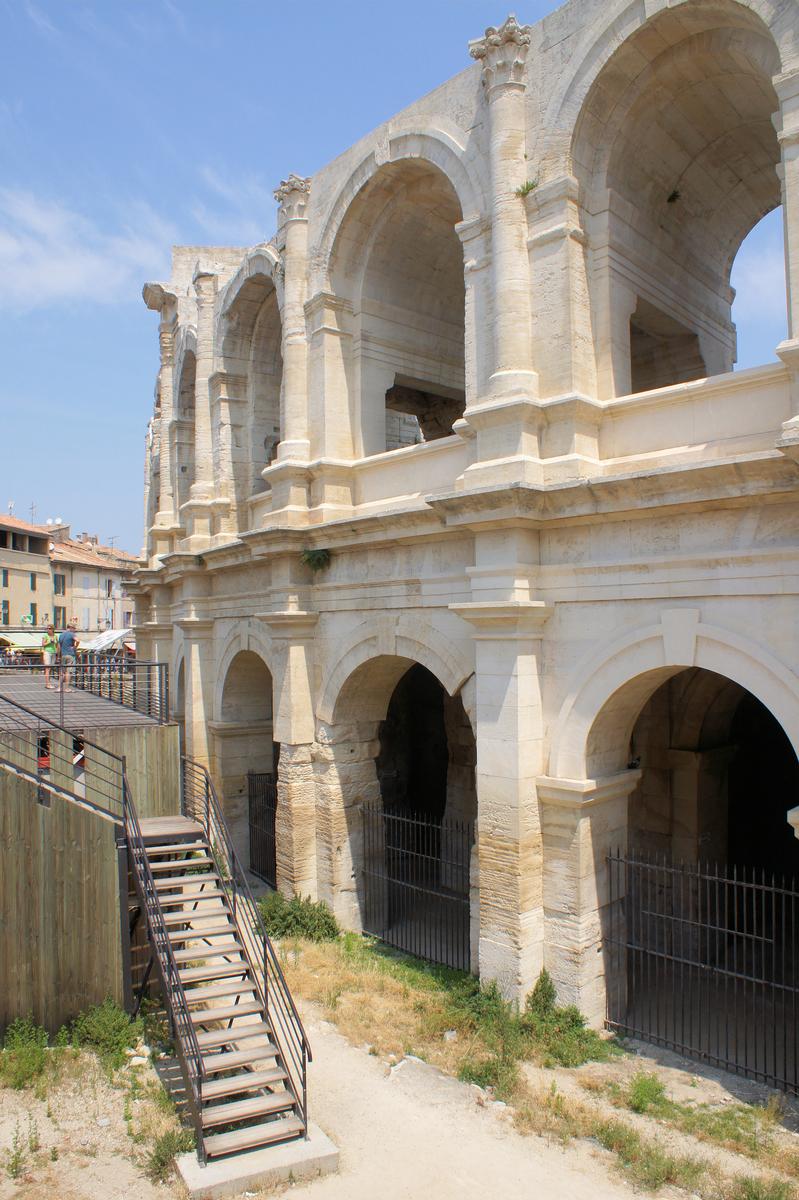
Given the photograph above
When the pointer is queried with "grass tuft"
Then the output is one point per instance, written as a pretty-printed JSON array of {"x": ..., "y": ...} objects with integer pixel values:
[
  {"x": 108, "y": 1031},
  {"x": 298, "y": 918},
  {"x": 161, "y": 1159}
]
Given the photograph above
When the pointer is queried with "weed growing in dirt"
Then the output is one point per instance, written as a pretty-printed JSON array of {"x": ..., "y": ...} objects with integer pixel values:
[
  {"x": 560, "y": 1033},
  {"x": 24, "y": 1053},
  {"x": 297, "y": 917},
  {"x": 161, "y": 1160},
  {"x": 108, "y": 1031},
  {"x": 15, "y": 1164},
  {"x": 645, "y": 1162},
  {"x": 751, "y": 1188},
  {"x": 34, "y": 1141},
  {"x": 646, "y": 1093}
]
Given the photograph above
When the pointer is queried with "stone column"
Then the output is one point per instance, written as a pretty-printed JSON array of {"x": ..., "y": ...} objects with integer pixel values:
[
  {"x": 787, "y": 123},
  {"x": 295, "y": 824},
  {"x": 199, "y": 685},
  {"x": 502, "y": 54},
  {"x": 332, "y": 432},
  {"x": 510, "y": 734},
  {"x": 288, "y": 475},
  {"x": 583, "y": 821},
  {"x": 166, "y": 529},
  {"x": 199, "y": 507}
]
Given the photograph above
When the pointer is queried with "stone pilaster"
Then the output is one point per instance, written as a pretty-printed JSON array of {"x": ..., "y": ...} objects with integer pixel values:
[
  {"x": 502, "y": 54},
  {"x": 199, "y": 683},
  {"x": 583, "y": 821},
  {"x": 510, "y": 735},
  {"x": 166, "y": 528},
  {"x": 295, "y": 824},
  {"x": 787, "y": 123},
  {"x": 332, "y": 430},
  {"x": 199, "y": 509}
]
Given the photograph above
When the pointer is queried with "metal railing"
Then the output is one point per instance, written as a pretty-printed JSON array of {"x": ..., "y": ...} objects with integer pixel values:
[
  {"x": 142, "y": 687},
  {"x": 703, "y": 959},
  {"x": 60, "y": 761},
  {"x": 199, "y": 802},
  {"x": 262, "y": 813},
  {"x": 189, "y": 1055},
  {"x": 415, "y": 883}
]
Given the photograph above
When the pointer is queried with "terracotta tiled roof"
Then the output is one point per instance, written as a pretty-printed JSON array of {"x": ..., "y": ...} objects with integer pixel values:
[
  {"x": 86, "y": 555},
  {"x": 9, "y": 522}
]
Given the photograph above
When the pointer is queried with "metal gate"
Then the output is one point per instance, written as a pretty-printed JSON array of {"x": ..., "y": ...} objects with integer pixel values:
[
  {"x": 702, "y": 960},
  {"x": 416, "y": 884},
  {"x": 262, "y": 793}
]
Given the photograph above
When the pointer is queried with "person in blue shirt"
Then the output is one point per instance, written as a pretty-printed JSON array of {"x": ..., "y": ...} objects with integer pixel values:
[{"x": 68, "y": 648}]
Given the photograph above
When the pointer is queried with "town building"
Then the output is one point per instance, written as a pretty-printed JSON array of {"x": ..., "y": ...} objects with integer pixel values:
[
  {"x": 457, "y": 509},
  {"x": 26, "y": 584}
]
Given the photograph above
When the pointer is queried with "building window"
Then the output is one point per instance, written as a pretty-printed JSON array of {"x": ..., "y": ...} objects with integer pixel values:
[
  {"x": 34, "y": 614},
  {"x": 85, "y": 620},
  {"x": 33, "y": 581},
  {"x": 60, "y": 617},
  {"x": 5, "y": 577},
  {"x": 60, "y": 585},
  {"x": 127, "y": 618},
  {"x": 86, "y": 584},
  {"x": 109, "y": 587},
  {"x": 4, "y": 614}
]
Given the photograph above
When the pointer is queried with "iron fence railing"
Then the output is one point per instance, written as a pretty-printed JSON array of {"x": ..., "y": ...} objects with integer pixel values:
[
  {"x": 262, "y": 813},
  {"x": 189, "y": 1055},
  {"x": 704, "y": 960},
  {"x": 141, "y": 687},
  {"x": 199, "y": 802},
  {"x": 59, "y": 760},
  {"x": 416, "y": 883}
]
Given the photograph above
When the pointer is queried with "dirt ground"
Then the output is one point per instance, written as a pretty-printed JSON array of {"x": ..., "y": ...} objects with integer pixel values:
[{"x": 404, "y": 1130}]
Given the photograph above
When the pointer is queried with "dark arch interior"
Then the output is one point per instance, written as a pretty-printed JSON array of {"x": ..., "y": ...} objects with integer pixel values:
[
  {"x": 413, "y": 759},
  {"x": 719, "y": 775}
]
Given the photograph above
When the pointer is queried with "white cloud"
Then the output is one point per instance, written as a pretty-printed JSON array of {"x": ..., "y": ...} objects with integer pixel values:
[
  {"x": 50, "y": 254},
  {"x": 41, "y": 21}
]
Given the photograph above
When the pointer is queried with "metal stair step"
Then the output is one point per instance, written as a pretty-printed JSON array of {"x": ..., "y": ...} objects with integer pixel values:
[
  {"x": 171, "y": 864},
  {"x": 177, "y": 848},
  {"x": 246, "y": 1110},
  {"x": 163, "y": 885},
  {"x": 191, "y": 935},
  {"x": 246, "y": 1081},
  {"x": 204, "y": 1016},
  {"x": 253, "y": 1135},
  {"x": 199, "y": 995},
  {"x": 214, "y": 1038},
  {"x": 167, "y": 900},
  {"x": 207, "y": 973},
  {"x": 195, "y": 914},
  {"x": 201, "y": 952}
]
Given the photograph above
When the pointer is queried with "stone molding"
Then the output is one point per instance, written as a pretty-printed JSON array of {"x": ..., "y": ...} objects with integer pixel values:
[
  {"x": 196, "y": 628},
  {"x": 290, "y": 624},
  {"x": 502, "y": 619},
  {"x": 502, "y": 53},
  {"x": 584, "y": 793},
  {"x": 223, "y": 729}
]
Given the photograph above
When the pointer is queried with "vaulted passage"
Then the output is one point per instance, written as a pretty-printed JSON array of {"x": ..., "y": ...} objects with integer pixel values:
[{"x": 703, "y": 919}]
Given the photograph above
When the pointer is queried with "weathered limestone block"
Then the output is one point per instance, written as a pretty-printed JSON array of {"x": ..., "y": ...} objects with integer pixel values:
[{"x": 295, "y": 822}]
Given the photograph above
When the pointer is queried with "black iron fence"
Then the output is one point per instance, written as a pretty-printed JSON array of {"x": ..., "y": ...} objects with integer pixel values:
[
  {"x": 262, "y": 807},
  {"x": 702, "y": 960},
  {"x": 200, "y": 802},
  {"x": 416, "y": 884}
]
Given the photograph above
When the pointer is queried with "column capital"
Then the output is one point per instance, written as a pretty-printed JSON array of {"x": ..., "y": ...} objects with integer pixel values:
[
  {"x": 158, "y": 297},
  {"x": 584, "y": 793},
  {"x": 292, "y": 196},
  {"x": 502, "y": 619},
  {"x": 205, "y": 286},
  {"x": 502, "y": 53}
]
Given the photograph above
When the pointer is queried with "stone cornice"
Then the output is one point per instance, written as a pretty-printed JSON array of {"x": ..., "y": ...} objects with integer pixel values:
[
  {"x": 502, "y": 53},
  {"x": 196, "y": 627},
  {"x": 501, "y": 619},
  {"x": 158, "y": 295},
  {"x": 583, "y": 793},
  {"x": 290, "y": 624}
]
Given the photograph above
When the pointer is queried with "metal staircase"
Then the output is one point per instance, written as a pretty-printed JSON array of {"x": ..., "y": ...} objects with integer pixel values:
[{"x": 240, "y": 1041}]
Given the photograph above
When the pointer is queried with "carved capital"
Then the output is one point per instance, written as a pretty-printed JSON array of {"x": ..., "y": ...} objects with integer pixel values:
[
  {"x": 292, "y": 196},
  {"x": 502, "y": 52}
]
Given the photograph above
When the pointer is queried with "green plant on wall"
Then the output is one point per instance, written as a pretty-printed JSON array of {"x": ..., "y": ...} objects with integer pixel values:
[{"x": 317, "y": 560}]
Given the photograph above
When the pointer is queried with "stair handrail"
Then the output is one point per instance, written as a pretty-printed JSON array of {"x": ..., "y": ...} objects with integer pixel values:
[
  {"x": 200, "y": 801},
  {"x": 189, "y": 1055}
]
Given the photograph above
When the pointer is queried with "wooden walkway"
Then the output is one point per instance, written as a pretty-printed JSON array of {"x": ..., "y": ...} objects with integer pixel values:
[{"x": 81, "y": 710}]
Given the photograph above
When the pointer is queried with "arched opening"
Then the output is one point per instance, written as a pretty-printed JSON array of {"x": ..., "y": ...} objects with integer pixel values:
[
  {"x": 252, "y": 354},
  {"x": 399, "y": 261},
  {"x": 184, "y": 429},
  {"x": 700, "y": 928},
  {"x": 407, "y": 787},
  {"x": 758, "y": 280},
  {"x": 677, "y": 154},
  {"x": 245, "y": 751}
]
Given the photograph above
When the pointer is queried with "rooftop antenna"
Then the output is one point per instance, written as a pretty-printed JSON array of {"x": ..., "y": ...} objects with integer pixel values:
[
  {"x": 112, "y": 539},
  {"x": 32, "y": 511},
  {"x": 11, "y": 506}
]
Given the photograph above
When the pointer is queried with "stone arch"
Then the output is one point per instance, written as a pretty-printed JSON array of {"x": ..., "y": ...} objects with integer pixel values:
[
  {"x": 262, "y": 264},
  {"x": 441, "y": 146},
  {"x": 406, "y": 642},
  {"x": 247, "y": 637},
  {"x": 592, "y": 730}
]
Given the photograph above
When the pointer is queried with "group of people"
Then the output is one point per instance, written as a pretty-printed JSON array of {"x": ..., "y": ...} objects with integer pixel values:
[{"x": 59, "y": 650}]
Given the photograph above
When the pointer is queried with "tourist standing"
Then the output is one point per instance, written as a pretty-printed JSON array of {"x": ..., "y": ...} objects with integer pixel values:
[
  {"x": 68, "y": 646},
  {"x": 49, "y": 654}
]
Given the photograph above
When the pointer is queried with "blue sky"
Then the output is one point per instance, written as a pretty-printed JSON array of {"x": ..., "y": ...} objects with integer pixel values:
[{"x": 129, "y": 125}]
